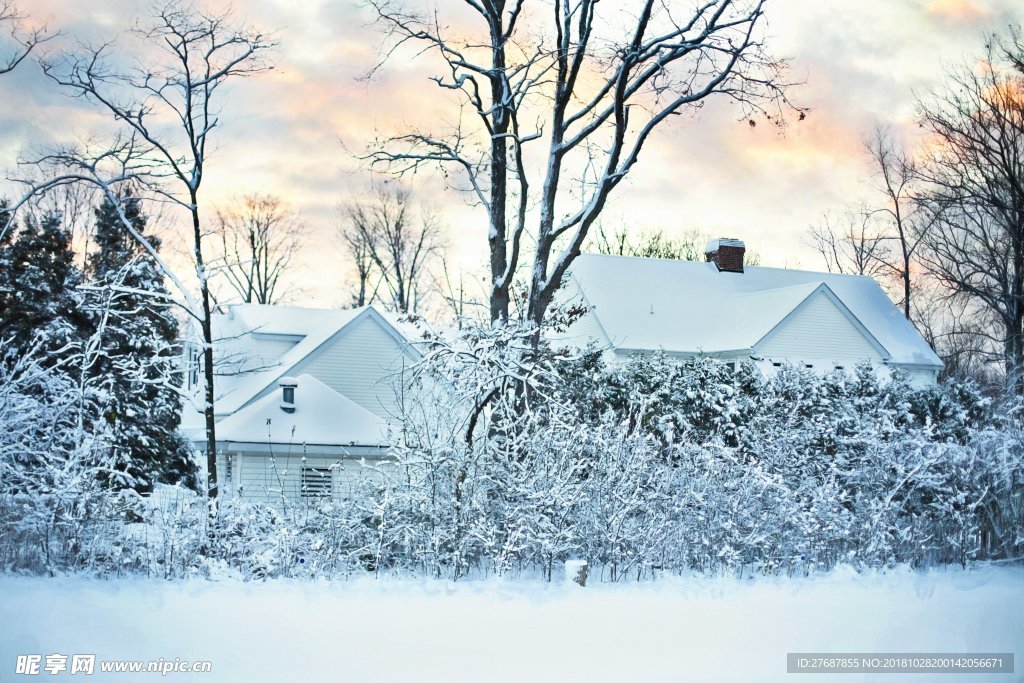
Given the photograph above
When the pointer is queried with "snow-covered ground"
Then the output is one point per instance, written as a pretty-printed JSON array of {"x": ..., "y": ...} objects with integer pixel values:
[{"x": 673, "y": 629}]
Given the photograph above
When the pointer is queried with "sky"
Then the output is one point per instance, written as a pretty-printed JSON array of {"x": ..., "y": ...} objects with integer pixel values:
[{"x": 296, "y": 131}]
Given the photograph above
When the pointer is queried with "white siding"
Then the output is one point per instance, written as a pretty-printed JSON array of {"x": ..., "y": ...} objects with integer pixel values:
[
  {"x": 362, "y": 364},
  {"x": 587, "y": 329},
  {"x": 270, "y": 349},
  {"x": 819, "y": 333},
  {"x": 258, "y": 477},
  {"x": 921, "y": 376}
]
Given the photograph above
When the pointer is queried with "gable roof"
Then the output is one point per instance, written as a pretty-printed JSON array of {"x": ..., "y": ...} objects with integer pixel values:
[
  {"x": 322, "y": 417},
  {"x": 247, "y": 371},
  {"x": 824, "y": 290},
  {"x": 691, "y": 307}
]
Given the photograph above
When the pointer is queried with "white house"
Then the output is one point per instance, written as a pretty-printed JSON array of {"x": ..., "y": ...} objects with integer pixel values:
[
  {"x": 303, "y": 398},
  {"x": 725, "y": 309}
]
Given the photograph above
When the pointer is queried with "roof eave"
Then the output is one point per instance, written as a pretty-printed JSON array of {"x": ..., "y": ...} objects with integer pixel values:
[
  {"x": 689, "y": 354},
  {"x": 915, "y": 365}
]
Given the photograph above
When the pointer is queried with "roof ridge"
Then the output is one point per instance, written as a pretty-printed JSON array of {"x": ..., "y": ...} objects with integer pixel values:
[{"x": 681, "y": 306}]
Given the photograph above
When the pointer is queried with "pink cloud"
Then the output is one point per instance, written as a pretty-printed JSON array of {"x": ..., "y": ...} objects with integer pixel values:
[
  {"x": 956, "y": 10},
  {"x": 283, "y": 131}
]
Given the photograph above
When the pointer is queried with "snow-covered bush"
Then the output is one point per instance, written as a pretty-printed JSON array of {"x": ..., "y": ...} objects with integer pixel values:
[
  {"x": 511, "y": 460},
  {"x": 49, "y": 462},
  {"x": 798, "y": 471}
]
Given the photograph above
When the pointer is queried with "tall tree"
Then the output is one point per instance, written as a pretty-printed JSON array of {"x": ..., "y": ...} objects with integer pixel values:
[
  {"x": 394, "y": 240},
  {"x": 897, "y": 172},
  {"x": 137, "y": 357},
  {"x": 358, "y": 250},
  {"x": 880, "y": 239},
  {"x": 166, "y": 108},
  {"x": 974, "y": 190},
  {"x": 852, "y": 242},
  {"x": 595, "y": 81},
  {"x": 259, "y": 238},
  {"x": 6, "y": 239},
  {"x": 39, "y": 303}
]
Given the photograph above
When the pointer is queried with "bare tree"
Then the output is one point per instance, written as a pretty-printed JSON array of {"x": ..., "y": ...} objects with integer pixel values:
[
  {"x": 851, "y": 243},
  {"x": 464, "y": 295},
  {"x": 880, "y": 241},
  {"x": 20, "y": 44},
  {"x": 165, "y": 106},
  {"x": 974, "y": 190},
  {"x": 259, "y": 238},
  {"x": 656, "y": 243},
  {"x": 650, "y": 243},
  {"x": 897, "y": 173},
  {"x": 17, "y": 47},
  {"x": 392, "y": 239},
  {"x": 357, "y": 248},
  {"x": 961, "y": 331},
  {"x": 594, "y": 80}
]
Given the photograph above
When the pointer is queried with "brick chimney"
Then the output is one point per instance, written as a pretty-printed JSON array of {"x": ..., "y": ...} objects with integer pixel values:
[{"x": 726, "y": 253}]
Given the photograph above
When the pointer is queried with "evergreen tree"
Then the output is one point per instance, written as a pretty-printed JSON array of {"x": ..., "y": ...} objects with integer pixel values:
[
  {"x": 129, "y": 305},
  {"x": 39, "y": 302},
  {"x": 43, "y": 333},
  {"x": 7, "y": 231}
]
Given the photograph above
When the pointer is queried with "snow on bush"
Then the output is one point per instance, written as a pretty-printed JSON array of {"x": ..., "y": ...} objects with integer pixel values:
[{"x": 512, "y": 459}]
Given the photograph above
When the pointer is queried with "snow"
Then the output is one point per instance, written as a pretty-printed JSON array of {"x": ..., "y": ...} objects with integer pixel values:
[
  {"x": 243, "y": 348},
  {"x": 321, "y": 416},
  {"x": 235, "y": 345},
  {"x": 273, "y": 319},
  {"x": 674, "y": 629},
  {"x": 714, "y": 244},
  {"x": 689, "y": 307}
]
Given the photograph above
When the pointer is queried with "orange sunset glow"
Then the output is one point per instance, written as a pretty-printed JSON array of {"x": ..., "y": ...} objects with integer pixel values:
[{"x": 297, "y": 131}]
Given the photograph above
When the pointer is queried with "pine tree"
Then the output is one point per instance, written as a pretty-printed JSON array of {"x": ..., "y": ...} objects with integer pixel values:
[
  {"x": 39, "y": 302},
  {"x": 138, "y": 362},
  {"x": 43, "y": 332},
  {"x": 7, "y": 233}
]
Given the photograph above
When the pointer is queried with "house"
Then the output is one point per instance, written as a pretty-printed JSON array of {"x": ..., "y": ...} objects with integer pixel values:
[
  {"x": 304, "y": 399},
  {"x": 728, "y": 310}
]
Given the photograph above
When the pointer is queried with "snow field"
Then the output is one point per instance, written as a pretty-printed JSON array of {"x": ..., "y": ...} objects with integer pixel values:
[{"x": 672, "y": 629}]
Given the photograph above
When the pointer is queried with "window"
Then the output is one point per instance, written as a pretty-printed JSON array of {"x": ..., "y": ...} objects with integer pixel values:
[
  {"x": 316, "y": 482},
  {"x": 193, "y": 366},
  {"x": 227, "y": 469}
]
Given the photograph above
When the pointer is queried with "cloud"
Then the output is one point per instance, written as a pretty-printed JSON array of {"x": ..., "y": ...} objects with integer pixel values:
[
  {"x": 956, "y": 10},
  {"x": 296, "y": 131}
]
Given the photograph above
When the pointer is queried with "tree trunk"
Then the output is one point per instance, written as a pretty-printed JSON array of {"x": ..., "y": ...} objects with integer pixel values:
[
  {"x": 1014, "y": 349},
  {"x": 1015, "y": 306},
  {"x": 497, "y": 236},
  {"x": 207, "y": 325}
]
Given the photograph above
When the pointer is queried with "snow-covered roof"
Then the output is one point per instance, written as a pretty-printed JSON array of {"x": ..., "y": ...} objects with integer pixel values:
[
  {"x": 321, "y": 416},
  {"x": 246, "y": 357},
  {"x": 256, "y": 344},
  {"x": 691, "y": 307},
  {"x": 288, "y": 320}
]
